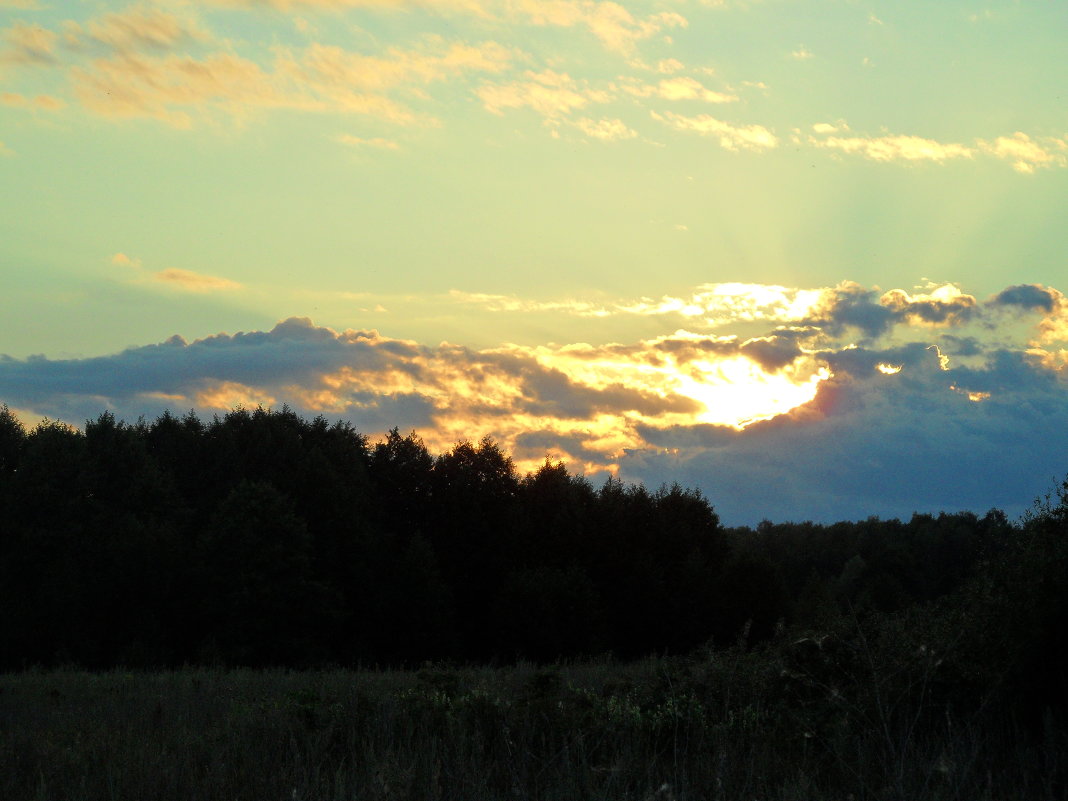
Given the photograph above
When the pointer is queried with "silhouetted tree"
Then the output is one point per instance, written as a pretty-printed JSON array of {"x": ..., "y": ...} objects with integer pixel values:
[{"x": 262, "y": 603}]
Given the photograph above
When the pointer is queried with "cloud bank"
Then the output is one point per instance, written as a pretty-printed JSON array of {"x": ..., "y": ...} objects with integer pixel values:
[{"x": 852, "y": 401}]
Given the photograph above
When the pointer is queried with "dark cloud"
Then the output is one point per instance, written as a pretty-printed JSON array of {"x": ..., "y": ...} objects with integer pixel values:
[
  {"x": 1027, "y": 296},
  {"x": 850, "y": 305},
  {"x": 933, "y": 311},
  {"x": 538, "y": 444},
  {"x": 960, "y": 346},
  {"x": 881, "y": 445},
  {"x": 551, "y": 393},
  {"x": 772, "y": 353},
  {"x": 862, "y": 362}
]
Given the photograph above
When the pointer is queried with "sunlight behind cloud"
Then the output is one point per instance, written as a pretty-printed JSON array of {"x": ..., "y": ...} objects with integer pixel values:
[{"x": 738, "y": 392}]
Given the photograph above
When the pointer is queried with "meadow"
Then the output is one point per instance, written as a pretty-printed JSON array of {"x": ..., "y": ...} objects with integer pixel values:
[{"x": 805, "y": 719}]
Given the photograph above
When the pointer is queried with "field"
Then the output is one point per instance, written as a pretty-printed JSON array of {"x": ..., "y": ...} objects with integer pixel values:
[{"x": 766, "y": 724}]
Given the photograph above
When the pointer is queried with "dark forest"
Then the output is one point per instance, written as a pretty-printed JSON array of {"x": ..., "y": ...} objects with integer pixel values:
[{"x": 263, "y": 540}]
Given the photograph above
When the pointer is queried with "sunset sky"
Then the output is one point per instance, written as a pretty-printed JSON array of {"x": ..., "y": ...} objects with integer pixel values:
[{"x": 805, "y": 255}]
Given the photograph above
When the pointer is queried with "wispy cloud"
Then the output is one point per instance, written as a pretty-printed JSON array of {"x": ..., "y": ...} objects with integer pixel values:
[
  {"x": 38, "y": 102},
  {"x": 378, "y": 143},
  {"x": 615, "y": 26},
  {"x": 28, "y": 43},
  {"x": 895, "y": 148},
  {"x": 680, "y": 87},
  {"x": 320, "y": 78},
  {"x": 1024, "y": 152},
  {"x": 512, "y": 303},
  {"x": 137, "y": 29},
  {"x": 606, "y": 130},
  {"x": 550, "y": 94},
  {"x": 173, "y": 277},
  {"x": 755, "y": 138},
  {"x": 194, "y": 282}
]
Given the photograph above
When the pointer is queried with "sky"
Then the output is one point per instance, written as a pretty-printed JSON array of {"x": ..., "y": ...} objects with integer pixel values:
[{"x": 805, "y": 255}]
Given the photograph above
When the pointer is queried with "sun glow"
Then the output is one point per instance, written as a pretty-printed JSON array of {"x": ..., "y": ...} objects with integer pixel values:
[
  {"x": 889, "y": 369},
  {"x": 738, "y": 392}
]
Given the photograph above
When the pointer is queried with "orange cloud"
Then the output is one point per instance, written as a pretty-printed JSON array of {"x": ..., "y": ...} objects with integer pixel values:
[
  {"x": 320, "y": 78},
  {"x": 230, "y": 394},
  {"x": 194, "y": 282},
  {"x": 28, "y": 44},
  {"x": 41, "y": 102}
]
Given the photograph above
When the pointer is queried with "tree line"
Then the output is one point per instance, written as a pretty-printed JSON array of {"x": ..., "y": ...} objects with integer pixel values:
[{"x": 261, "y": 538}]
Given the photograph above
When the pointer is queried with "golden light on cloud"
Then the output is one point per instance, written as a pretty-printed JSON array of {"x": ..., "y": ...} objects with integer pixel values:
[
  {"x": 974, "y": 397},
  {"x": 729, "y": 389},
  {"x": 888, "y": 369},
  {"x": 231, "y": 394},
  {"x": 194, "y": 282},
  {"x": 738, "y": 392}
]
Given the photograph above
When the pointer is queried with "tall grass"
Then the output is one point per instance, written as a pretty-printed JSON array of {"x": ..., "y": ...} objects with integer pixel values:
[{"x": 796, "y": 723}]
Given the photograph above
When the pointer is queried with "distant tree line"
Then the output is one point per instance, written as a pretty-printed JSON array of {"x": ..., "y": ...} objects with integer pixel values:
[{"x": 261, "y": 538}]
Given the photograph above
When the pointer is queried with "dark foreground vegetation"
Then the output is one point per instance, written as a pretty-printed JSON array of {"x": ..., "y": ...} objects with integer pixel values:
[{"x": 160, "y": 581}]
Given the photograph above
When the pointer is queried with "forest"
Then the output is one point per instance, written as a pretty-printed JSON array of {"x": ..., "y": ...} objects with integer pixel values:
[{"x": 196, "y": 551}]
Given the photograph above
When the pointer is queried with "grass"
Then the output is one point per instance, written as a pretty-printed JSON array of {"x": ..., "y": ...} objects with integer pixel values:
[{"x": 730, "y": 725}]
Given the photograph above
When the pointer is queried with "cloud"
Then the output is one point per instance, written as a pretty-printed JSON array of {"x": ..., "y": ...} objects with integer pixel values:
[
  {"x": 756, "y": 138},
  {"x": 319, "y": 78},
  {"x": 28, "y": 44},
  {"x": 137, "y": 29},
  {"x": 608, "y": 130},
  {"x": 1027, "y": 154},
  {"x": 615, "y": 26},
  {"x": 667, "y": 66},
  {"x": 611, "y": 23},
  {"x": 946, "y": 305},
  {"x": 194, "y": 282},
  {"x": 123, "y": 260},
  {"x": 886, "y": 445},
  {"x": 511, "y": 303},
  {"x": 677, "y": 88},
  {"x": 185, "y": 280},
  {"x": 710, "y": 305},
  {"x": 376, "y": 142},
  {"x": 801, "y": 54},
  {"x": 550, "y": 94},
  {"x": 148, "y": 62},
  {"x": 1028, "y": 296},
  {"x": 850, "y": 306},
  {"x": 38, "y": 102},
  {"x": 893, "y": 148},
  {"x": 477, "y": 7},
  {"x": 942, "y": 407}
]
